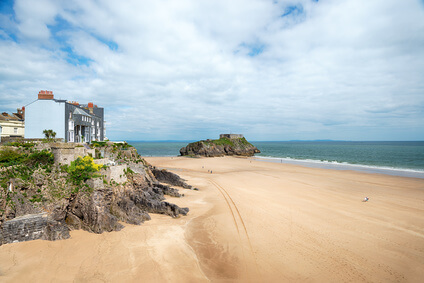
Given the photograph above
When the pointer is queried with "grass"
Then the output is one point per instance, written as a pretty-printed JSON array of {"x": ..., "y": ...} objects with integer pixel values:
[{"x": 227, "y": 141}]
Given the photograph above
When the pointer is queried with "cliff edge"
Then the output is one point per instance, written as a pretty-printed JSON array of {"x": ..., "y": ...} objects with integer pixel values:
[
  {"x": 221, "y": 147},
  {"x": 46, "y": 190}
]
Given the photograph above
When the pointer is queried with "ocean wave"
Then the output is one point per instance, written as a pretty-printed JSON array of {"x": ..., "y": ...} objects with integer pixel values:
[{"x": 346, "y": 166}]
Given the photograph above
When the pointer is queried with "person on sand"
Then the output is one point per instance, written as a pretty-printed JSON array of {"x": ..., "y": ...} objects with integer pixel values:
[{"x": 365, "y": 199}]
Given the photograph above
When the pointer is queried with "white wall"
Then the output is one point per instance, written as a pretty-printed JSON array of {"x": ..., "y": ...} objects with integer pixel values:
[
  {"x": 10, "y": 126},
  {"x": 44, "y": 115}
]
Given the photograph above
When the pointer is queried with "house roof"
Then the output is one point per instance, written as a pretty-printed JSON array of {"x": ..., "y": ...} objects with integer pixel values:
[
  {"x": 80, "y": 112},
  {"x": 6, "y": 117}
]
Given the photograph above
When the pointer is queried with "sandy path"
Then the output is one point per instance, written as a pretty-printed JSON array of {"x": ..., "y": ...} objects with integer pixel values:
[{"x": 251, "y": 221}]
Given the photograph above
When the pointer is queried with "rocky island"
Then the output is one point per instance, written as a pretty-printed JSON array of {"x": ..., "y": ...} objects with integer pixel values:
[
  {"x": 48, "y": 189},
  {"x": 227, "y": 144}
]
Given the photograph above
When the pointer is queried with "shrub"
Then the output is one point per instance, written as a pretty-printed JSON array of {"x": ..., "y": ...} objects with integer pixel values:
[
  {"x": 10, "y": 157},
  {"x": 98, "y": 144},
  {"x": 43, "y": 157},
  {"x": 49, "y": 134},
  {"x": 82, "y": 169}
]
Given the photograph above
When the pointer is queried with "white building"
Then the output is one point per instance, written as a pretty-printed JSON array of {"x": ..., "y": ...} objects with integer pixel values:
[
  {"x": 71, "y": 121},
  {"x": 12, "y": 125}
]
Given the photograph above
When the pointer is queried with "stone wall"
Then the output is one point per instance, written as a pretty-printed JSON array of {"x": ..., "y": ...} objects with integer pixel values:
[
  {"x": 83, "y": 151},
  {"x": 116, "y": 173},
  {"x": 104, "y": 161},
  {"x": 32, "y": 227},
  {"x": 25, "y": 228},
  {"x": 65, "y": 153}
]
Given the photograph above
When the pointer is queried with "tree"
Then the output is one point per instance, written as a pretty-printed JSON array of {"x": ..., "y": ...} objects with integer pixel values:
[{"x": 49, "y": 134}]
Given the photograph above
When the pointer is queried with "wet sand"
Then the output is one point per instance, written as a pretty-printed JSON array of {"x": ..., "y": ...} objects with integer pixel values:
[{"x": 250, "y": 221}]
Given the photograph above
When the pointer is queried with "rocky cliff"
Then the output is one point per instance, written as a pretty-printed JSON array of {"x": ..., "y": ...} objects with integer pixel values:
[
  {"x": 220, "y": 147},
  {"x": 32, "y": 184}
]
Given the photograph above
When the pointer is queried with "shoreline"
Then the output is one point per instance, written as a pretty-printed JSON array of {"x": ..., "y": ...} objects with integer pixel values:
[
  {"x": 369, "y": 169},
  {"x": 392, "y": 171}
]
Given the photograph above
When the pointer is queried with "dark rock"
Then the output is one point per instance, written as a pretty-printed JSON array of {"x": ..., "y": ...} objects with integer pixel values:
[
  {"x": 165, "y": 176},
  {"x": 93, "y": 212},
  {"x": 55, "y": 231},
  {"x": 221, "y": 147}
]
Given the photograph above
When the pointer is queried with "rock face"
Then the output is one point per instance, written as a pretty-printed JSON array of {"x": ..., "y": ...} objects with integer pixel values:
[
  {"x": 221, "y": 147},
  {"x": 165, "y": 176},
  {"x": 46, "y": 206}
]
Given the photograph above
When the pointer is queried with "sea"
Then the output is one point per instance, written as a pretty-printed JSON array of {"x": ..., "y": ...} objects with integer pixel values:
[{"x": 400, "y": 158}]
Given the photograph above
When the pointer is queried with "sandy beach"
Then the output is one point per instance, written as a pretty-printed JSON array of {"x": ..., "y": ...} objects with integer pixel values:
[{"x": 250, "y": 221}]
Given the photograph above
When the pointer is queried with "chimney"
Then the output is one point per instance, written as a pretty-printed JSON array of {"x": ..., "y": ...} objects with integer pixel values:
[
  {"x": 45, "y": 94},
  {"x": 90, "y": 107}
]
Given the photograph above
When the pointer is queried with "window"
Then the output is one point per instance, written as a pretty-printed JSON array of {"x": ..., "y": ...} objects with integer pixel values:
[{"x": 15, "y": 130}]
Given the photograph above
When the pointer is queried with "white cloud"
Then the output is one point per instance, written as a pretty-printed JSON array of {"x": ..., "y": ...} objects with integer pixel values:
[{"x": 186, "y": 69}]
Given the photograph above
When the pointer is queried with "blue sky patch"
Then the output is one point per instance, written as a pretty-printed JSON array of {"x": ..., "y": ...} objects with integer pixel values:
[
  {"x": 295, "y": 10},
  {"x": 6, "y": 7},
  {"x": 111, "y": 44},
  {"x": 7, "y": 18},
  {"x": 253, "y": 49},
  {"x": 74, "y": 58}
]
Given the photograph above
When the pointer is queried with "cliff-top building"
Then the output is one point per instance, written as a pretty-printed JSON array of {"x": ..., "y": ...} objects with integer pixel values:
[
  {"x": 70, "y": 120},
  {"x": 12, "y": 124}
]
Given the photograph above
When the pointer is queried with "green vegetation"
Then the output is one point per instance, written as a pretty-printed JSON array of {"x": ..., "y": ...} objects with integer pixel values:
[
  {"x": 9, "y": 157},
  {"x": 121, "y": 145},
  {"x": 81, "y": 170},
  {"x": 128, "y": 171},
  {"x": 49, "y": 134},
  {"x": 28, "y": 176},
  {"x": 98, "y": 144},
  {"x": 38, "y": 158},
  {"x": 227, "y": 141},
  {"x": 22, "y": 144},
  {"x": 20, "y": 164},
  {"x": 221, "y": 141}
]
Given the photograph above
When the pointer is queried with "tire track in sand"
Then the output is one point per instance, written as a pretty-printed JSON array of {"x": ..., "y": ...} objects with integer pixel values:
[{"x": 242, "y": 233}]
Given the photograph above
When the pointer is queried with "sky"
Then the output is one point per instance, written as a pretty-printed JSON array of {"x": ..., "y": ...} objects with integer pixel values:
[{"x": 192, "y": 69}]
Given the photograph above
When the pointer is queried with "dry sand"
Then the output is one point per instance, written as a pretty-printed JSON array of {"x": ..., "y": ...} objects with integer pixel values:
[{"x": 250, "y": 221}]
